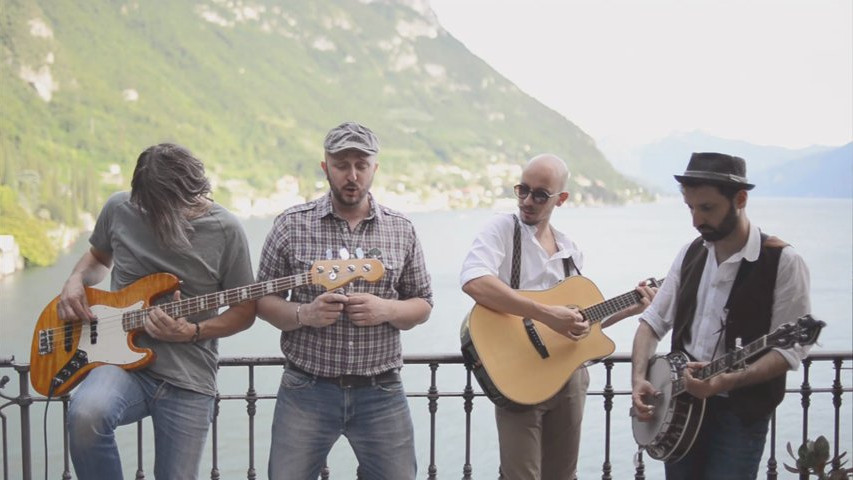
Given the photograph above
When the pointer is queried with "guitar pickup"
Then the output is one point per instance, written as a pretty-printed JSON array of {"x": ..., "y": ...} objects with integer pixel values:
[
  {"x": 69, "y": 336},
  {"x": 93, "y": 332},
  {"x": 535, "y": 339},
  {"x": 45, "y": 342}
]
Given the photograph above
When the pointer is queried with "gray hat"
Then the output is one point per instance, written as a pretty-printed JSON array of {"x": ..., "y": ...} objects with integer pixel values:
[
  {"x": 715, "y": 168},
  {"x": 351, "y": 135}
]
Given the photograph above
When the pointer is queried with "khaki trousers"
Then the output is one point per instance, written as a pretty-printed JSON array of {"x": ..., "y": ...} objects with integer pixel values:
[{"x": 542, "y": 442}]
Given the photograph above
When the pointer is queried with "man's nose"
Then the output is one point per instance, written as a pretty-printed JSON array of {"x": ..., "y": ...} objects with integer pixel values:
[
  {"x": 352, "y": 174},
  {"x": 698, "y": 218}
]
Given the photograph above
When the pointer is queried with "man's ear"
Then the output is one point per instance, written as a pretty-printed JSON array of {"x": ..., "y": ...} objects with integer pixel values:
[
  {"x": 324, "y": 167},
  {"x": 740, "y": 199},
  {"x": 562, "y": 198}
]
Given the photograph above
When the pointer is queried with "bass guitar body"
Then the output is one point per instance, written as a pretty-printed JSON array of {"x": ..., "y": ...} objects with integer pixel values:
[{"x": 62, "y": 353}]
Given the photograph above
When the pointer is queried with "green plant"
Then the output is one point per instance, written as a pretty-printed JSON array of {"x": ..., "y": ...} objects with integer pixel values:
[{"x": 813, "y": 457}]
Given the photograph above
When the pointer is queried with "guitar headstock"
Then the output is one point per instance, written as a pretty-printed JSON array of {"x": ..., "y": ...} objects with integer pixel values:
[
  {"x": 337, "y": 273},
  {"x": 804, "y": 332}
]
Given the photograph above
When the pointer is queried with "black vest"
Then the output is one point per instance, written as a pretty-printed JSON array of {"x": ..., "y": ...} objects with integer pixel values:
[{"x": 750, "y": 306}]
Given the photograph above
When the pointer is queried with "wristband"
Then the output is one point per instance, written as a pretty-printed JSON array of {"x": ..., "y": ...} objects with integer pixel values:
[
  {"x": 298, "y": 322},
  {"x": 196, "y": 334}
]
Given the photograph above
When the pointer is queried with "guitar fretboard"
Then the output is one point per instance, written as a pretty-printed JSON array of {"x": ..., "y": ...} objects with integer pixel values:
[
  {"x": 133, "y": 320},
  {"x": 725, "y": 363},
  {"x": 600, "y": 311}
]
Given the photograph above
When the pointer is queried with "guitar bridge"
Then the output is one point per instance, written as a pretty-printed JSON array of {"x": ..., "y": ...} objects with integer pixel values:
[{"x": 535, "y": 339}]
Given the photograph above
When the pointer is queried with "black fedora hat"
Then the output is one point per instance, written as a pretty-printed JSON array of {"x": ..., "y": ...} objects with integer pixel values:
[{"x": 715, "y": 168}]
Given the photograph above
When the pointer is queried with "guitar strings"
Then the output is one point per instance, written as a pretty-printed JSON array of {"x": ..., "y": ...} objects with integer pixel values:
[
  {"x": 134, "y": 319},
  {"x": 597, "y": 312}
]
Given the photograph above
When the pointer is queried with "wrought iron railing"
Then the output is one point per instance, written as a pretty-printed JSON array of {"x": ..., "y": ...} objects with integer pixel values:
[{"x": 829, "y": 391}]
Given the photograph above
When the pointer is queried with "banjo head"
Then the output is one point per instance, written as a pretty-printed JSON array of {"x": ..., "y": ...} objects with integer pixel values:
[{"x": 661, "y": 374}]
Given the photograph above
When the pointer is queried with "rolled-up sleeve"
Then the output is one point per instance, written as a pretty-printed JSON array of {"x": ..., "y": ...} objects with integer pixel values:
[
  {"x": 660, "y": 315},
  {"x": 488, "y": 250},
  {"x": 791, "y": 301}
]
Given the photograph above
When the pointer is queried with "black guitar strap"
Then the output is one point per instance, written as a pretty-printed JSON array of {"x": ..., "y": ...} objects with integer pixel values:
[
  {"x": 516, "y": 254},
  {"x": 568, "y": 263}
]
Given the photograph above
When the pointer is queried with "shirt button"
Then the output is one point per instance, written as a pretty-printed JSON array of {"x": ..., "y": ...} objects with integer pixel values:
[
  {"x": 349, "y": 372},
  {"x": 350, "y": 343}
]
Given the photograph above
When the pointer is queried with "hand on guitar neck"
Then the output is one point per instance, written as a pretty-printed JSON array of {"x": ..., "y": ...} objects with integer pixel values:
[
  {"x": 770, "y": 365},
  {"x": 163, "y": 327},
  {"x": 646, "y": 291}
]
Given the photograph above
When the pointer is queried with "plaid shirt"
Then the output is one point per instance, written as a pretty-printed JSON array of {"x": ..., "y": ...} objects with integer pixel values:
[{"x": 302, "y": 235}]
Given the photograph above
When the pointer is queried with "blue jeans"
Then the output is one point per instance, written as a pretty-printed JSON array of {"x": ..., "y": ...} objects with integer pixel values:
[
  {"x": 109, "y": 397},
  {"x": 311, "y": 415},
  {"x": 727, "y": 448}
]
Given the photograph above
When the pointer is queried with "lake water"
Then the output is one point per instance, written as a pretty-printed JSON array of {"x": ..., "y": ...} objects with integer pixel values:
[{"x": 621, "y": 246}]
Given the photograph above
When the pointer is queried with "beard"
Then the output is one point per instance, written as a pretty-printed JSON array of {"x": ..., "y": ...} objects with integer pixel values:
[
  {"x": 343, "y": 198},
  {"x": 721, "y": 231}
]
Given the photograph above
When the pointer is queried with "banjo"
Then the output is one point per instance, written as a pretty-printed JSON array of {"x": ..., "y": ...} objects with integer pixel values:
[{"x": 670, "y": 433}]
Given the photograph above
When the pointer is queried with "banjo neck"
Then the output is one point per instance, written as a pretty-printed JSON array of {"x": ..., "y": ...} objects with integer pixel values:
[{"x": 725, "y": 363}]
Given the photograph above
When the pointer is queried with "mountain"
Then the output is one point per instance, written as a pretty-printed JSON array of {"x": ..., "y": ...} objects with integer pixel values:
[
  {"x": 655, "y": 164},
  {"x": 251, "y": 87},
  {"x": 826, "y": 174}
]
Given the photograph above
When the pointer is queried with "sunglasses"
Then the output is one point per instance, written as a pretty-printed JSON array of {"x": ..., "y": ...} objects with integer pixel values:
[{"x": 539, "y": 196}]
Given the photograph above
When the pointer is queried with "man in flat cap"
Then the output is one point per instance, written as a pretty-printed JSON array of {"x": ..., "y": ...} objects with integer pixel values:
[
  {"x": 731, "y": 284},
  {"x": 343, "y": 347}
]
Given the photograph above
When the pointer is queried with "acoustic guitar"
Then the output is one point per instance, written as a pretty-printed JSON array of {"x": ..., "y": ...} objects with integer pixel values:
[
  {"x": 521, "y": 361},
  {"x": 62, "y": 353}
]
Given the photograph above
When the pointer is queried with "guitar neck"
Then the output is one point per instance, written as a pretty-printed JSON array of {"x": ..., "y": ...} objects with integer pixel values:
[
  {"x": 133, "y": 320},
  {"x": 600, "y": 311},
  {"x": 725, "y": 363}
]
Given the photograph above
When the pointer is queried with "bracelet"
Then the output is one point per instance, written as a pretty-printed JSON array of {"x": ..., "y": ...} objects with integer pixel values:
[
  {"x": 196, "y": 334},
  {"x": 298, "y": 322}
]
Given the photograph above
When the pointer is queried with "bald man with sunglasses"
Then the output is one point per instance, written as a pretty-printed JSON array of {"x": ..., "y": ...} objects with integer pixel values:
[{"x": 541, "y": 441}]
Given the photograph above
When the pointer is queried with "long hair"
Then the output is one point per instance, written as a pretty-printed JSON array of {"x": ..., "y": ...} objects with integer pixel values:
[{"x": 168, "y": 183}]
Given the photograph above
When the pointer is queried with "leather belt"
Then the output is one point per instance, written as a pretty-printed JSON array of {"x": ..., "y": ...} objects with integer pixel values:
[{"x": 352, "y": 381}]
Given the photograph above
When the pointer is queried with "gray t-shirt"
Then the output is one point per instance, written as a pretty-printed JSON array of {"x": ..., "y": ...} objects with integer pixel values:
[{"x": 218, "y": 260}]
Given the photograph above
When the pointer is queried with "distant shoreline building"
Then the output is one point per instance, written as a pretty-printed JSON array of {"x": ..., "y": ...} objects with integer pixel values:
[{"x": 10, "y": 256}]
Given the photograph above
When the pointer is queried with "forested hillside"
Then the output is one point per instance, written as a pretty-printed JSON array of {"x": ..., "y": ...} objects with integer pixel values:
[{"x": 251, "y": 87}]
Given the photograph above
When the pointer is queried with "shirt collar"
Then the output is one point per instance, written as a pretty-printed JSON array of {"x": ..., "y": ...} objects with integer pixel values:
[
  {"x": 750, "y": 250},
  {"x": 566, "y": 246}
]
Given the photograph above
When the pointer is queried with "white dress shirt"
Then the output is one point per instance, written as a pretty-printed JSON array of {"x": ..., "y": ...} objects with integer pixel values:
[
  {"x": 491, "y": 254},
  {"x": 707, "y": 338}
]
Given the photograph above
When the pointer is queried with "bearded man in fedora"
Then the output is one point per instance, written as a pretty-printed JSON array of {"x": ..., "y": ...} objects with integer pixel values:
[{"x": 732, "y": 283}]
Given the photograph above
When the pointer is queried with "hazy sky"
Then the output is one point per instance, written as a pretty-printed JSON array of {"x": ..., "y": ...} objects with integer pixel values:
[{"x": 772, "y": 72}]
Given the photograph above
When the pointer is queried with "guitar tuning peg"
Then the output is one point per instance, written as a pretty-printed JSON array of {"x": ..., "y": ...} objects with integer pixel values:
[
  {"x": 374, "y": 253},
  {"x": 359, "y": 253},
  {"x": 329, "y": 255},
  {"x": 344, "y": 253}
]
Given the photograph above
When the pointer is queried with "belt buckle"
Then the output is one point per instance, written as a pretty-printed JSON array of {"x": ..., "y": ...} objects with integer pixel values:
[{"x": 354, "y": 381}]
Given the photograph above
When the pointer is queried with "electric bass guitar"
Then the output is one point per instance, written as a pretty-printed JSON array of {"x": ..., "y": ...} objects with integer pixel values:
[
  {"x": 62, "y": 353},
  {"x": 520, "y": 361},
  {"x": 670, "y": 433}
]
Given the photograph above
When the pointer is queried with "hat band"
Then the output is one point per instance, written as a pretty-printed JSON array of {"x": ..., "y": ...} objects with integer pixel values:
[{"x": 726, "y": 177}]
